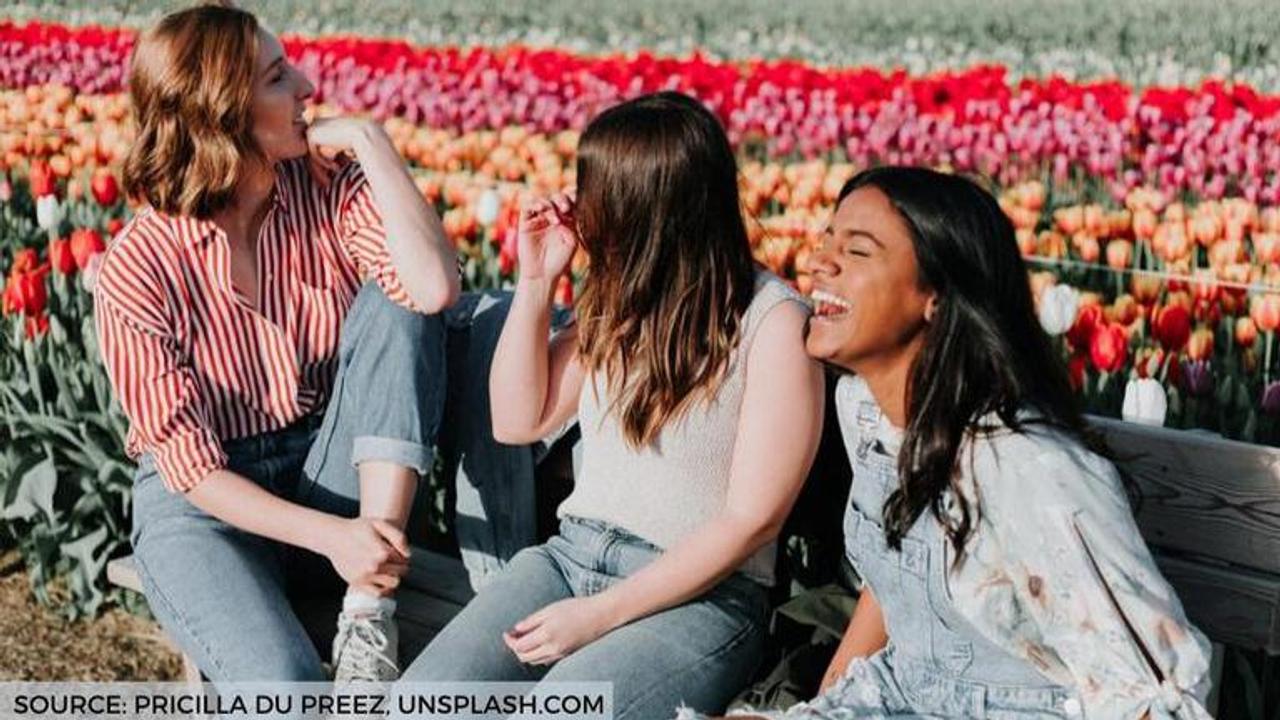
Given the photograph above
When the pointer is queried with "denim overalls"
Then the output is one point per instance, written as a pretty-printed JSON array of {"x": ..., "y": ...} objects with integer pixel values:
[{"x": 936, "y": 662}]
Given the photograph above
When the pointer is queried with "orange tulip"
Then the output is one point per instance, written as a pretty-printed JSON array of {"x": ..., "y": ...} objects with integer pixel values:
[
  {"x": 1246, "y": 332},
  {"x": 1206, "y": 229},
  {"x": 1026, "y": 242},
  {"x": 1265, "y": 311},
  {"x": 1087, "y": 247},
  {"x": 1266, "y": 247},
  {"x": 1052, "y": 244},
  {"x": 1144, "y": 223},
  {"x": 1269, "y": 219},
  {"x": 1069, "y": 219},
  {"x": 1145, "y": 287},
  {"x": 1200, "y": 344},
  {"x": 1119, "y": 254},
  {"x": 1204, "y": 286},
  {"x": 1095, "y": 220},
  {"x": 1125, "y": 309}
]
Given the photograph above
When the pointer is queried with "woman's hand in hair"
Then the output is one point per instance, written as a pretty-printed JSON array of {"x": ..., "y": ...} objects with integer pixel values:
[
  {"x": 547, "y": 237},
  {"x": 558, "y": 630}
]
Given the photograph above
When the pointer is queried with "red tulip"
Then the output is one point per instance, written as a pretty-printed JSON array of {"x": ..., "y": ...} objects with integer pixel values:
[
  {"x": 1109, "y": 348},
  {"x": 1148, "y": 361},
  {"x": 564, "y": 292},
  {"x": 1081, "y": 333},
  {"x": 104, "y": 187},
  {"x": 32, "y": 292},
  {"x": 114, "y": 226},
  {"x": 60, "y": 256},
  {"x": 12, "y": 300},
  {"x": 43, "y": 182},
  {"x": 85, "y": 243},
  {"x": 37, "y": 326},
  {"x": 1076, "y": 370},
  {"x": 1172, "y": 326},
  {"x": 24, "y": 261}
]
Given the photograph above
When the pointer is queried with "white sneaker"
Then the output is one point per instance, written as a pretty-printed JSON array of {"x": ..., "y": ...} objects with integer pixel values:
[{"x": 366, "y": 646}]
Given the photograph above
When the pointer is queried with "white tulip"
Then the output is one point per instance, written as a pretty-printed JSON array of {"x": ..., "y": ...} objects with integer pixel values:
[
  {"x": 1058, "y": 307},
  {"x": 48, "y": 212},
  {"x": 1145, "y": 402},
  {"x": 487, "y": 207}
]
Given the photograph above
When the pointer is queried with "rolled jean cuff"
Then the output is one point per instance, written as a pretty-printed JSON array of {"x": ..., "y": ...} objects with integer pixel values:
[{"x": 401, "y": 452}]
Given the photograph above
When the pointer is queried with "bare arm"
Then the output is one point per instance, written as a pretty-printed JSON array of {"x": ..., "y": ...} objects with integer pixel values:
[
  {"x": 864, "y": 636},
  {"x": 362, "y": 550},
  {"x": 424, "y": 259},
  {"x": 534, "y": 383}
]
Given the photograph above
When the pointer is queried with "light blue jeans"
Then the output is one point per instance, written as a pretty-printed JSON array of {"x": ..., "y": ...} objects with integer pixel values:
[
  {"x": 698, "y": 654},
  {"x": 224, "y": 595}
]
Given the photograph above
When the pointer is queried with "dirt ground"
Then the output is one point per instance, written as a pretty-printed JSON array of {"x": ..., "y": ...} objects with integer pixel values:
[{"x": 38, "y": 644}]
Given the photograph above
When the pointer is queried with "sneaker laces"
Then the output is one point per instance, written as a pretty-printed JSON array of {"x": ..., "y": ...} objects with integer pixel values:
[{"x": 362, "y": 651}]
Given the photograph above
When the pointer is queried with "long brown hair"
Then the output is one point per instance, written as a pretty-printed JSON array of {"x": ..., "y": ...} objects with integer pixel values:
[
  {"x": 191, "y": 84},
  {"x": 670, "y": 271}
]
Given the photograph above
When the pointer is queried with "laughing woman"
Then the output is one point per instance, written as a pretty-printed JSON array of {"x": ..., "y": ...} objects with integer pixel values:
[
  {"x": 249, "y": 316},
  {"x": 1002, "y": 563}
]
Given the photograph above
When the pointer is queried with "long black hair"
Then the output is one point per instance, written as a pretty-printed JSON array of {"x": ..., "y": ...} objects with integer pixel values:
[{"x": 984, "y": 351}]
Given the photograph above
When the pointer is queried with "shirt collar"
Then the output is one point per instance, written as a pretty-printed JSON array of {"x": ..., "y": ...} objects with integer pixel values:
[{"x": 200, "y": 232}]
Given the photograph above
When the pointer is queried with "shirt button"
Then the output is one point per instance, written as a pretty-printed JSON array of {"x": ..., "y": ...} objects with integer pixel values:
[{"x": 1071, "y": 707}]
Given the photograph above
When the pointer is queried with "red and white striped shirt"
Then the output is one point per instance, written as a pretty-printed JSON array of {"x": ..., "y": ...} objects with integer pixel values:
[{"x": 192, "y": 362}]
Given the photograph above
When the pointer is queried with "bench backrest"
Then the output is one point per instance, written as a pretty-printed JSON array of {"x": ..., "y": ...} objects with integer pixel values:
[{"x": 1211, "y": 514}]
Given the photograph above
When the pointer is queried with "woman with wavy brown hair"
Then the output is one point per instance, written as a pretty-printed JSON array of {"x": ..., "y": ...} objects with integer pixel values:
[
  {"x": 699, "y": 411},
  {"x": 280, "y": 274}
]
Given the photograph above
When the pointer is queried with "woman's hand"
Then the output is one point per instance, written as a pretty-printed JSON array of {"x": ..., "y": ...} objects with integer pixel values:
[
  {"x": 327, "y": 138},
  {"x": 559, "y": 629},
  {"x": 546, "y": 238},
  {"x": 367, "y": 552}
]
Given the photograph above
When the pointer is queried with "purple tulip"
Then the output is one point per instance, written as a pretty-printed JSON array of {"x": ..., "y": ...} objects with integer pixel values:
[
  {"x": 1271, "y": 399},
  {"x": 1197, "y": 378}
]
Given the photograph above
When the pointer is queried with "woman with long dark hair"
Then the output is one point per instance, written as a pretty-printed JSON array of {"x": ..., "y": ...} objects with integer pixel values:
[
  {"x": 1004, "y": 573},
  {"x": 700, "y": 414}
]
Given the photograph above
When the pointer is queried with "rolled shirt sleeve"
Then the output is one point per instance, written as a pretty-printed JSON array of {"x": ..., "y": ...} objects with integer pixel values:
[
  {"x": 362, "y": 237},
  {"x": 1089, "y": 607},
  {"x": 157, "y": 392}
]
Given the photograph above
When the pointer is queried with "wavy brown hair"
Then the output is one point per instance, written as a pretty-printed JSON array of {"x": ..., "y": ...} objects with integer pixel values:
[
  {"x": 670, "y": 271},
  {"x": 191, "y": 84}
]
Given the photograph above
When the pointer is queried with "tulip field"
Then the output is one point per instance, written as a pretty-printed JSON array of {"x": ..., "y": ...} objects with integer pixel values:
[{"x": 1143, "y": 183}]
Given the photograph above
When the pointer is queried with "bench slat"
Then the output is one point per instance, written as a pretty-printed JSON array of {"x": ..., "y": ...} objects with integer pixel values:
[
  {"x": 1203, "y": 494},
  {"x": 1231, "y": 605}
]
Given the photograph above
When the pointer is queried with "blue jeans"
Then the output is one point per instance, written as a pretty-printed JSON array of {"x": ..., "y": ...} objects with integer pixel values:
[
  {"x": 700, "y": 653},
  {"x": 224, "y": 595}
]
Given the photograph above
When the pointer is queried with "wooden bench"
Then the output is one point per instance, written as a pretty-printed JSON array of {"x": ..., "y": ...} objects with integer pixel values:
[{"x": 1210, "y": 513}]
